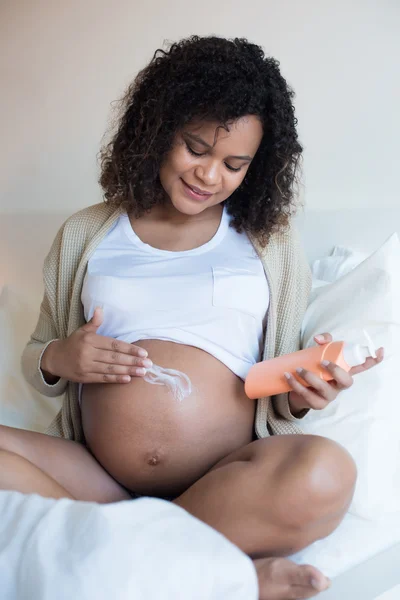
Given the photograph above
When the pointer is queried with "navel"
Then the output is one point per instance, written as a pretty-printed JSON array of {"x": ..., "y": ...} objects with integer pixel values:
[{"x": 154, "y": 460}]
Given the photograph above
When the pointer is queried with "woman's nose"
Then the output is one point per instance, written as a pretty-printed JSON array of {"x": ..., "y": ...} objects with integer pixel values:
[{"x": 209, "y": 173}]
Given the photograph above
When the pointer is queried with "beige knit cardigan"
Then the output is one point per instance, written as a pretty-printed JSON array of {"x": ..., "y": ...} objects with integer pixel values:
[{"x": 61, "y": 313}]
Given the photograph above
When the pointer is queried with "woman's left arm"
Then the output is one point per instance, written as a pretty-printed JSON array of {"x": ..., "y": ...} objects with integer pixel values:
[
  {"x": 292, "y": 287},
  {"x": 320, "y": 393}
]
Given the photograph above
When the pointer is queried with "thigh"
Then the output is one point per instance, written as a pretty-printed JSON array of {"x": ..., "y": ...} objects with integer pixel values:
[
  {"x": 67, "y": 462},
  {"x": 275, "y": 495},
  {"x": 266, "y": 450}
]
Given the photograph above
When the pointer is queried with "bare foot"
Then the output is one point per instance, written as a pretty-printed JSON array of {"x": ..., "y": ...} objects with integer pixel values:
[{"x": 282, "y": 579}]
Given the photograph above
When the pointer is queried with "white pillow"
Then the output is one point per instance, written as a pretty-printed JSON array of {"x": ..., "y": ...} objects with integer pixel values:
[
  {"x": 330, "y": 268},
  {"x": 339, "y": 263},
  {"x": 366, "y": 418}
]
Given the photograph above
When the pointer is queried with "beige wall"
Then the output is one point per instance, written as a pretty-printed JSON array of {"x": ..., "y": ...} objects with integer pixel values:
[{"x": 62, "y": 63}]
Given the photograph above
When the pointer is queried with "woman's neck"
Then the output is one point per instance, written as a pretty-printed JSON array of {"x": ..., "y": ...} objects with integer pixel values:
[{"x": 168, "y": 213}]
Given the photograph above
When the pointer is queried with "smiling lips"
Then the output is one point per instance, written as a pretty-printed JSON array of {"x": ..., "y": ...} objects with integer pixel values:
[
  {"x": 195, "y": 192},
  {"x": 199, "y": 191}
]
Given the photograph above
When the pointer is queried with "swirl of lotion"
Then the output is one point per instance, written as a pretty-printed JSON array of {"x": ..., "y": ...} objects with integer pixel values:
[{"x": 177, "y": 383}]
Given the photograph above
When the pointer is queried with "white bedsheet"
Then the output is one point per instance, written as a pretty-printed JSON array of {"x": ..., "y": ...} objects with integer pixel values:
[
  {"x": 144, "y": 549},
  {"x": 354, "y": 541}
]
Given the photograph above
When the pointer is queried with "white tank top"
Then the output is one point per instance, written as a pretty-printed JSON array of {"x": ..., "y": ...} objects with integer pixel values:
[{"x": 214, "y": 297}]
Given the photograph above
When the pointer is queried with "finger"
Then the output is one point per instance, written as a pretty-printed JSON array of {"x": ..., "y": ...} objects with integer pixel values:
[
  {"x": 111, "y": 377},
  {"x": 369, "y": 363},
  {"x": 110, "y": 369},
  {"x": 95, "y": 322},
  {"x": 380, "y": 354},
  {"x": 342, "y": 379},
  {"x": 322, "y": 387},
  {"x": 108, "y": 343},
  {"x": 112, "y": 357},
  {"x": 311, "y": 399},
  {"x": 103, "y": 378},
  {"x": 323, "y": 338}
]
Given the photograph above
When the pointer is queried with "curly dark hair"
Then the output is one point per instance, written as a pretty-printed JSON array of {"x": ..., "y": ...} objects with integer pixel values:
[{"x": 216, "y": 79}]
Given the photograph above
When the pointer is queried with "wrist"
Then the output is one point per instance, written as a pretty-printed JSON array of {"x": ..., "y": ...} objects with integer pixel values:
[
  {"x": 295, "y": 408},
  {"x": 47, "y": 361}
]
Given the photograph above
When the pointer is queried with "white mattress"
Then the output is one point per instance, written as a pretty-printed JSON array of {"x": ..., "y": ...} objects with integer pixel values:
[
  {"x": 375, "y": 579},
  {"x": 362, "y": 558},
  {"x": 392, "y": 594}
]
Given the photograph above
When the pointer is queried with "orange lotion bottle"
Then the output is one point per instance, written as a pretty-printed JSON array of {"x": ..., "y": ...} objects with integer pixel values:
[{"x": 267, "y": 378}]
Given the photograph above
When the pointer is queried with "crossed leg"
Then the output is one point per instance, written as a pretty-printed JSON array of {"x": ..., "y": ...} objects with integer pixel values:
[
  {"x": 270, "y": 498},
  {"x": 273, "y": 498},
  {"x": 33, "y": 462},
  {"x": 277, "y": 495}
]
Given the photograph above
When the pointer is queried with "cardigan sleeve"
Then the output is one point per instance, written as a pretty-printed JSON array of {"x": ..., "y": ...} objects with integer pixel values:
[
  {"x": 46, "y": 329},
  {"x": 282, "y": 407},
  {"x": 300, "y": 279}
]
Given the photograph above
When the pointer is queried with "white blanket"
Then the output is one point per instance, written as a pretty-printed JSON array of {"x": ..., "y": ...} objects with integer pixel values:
[{"x": 145, "y": 549}]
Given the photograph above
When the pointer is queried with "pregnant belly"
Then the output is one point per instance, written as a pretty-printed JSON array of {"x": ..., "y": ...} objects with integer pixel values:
[{"x": 152, "y": 443}]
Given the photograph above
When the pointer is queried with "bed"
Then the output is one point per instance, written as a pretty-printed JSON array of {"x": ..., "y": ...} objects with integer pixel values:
[{"x": 363, "y": 555}]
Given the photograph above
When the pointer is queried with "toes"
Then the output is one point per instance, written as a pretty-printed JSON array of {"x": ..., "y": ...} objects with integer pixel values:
[
  {"x": 308, "y": 576},
  {"x": 282, "y": 579}
]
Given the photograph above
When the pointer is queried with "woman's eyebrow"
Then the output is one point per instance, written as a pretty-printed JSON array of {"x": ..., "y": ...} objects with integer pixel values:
[{"x": 197, "y": 138}]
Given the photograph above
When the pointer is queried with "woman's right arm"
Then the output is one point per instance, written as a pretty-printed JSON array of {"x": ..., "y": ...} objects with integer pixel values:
[
  {"x": 44, "y": 334},
  {"x": 46, "y": 329},
  {"x": 49, "y": 362}
]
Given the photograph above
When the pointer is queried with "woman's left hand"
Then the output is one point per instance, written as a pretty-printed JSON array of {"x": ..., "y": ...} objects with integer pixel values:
[{"x": 321, "y": 393}]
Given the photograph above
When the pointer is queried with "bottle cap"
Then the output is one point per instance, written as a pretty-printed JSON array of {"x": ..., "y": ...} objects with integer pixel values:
[{"x": 356, "y": 354}]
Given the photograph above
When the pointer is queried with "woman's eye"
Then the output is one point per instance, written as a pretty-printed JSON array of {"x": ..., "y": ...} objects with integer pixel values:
[
  {"x": 232, "y": 168},
  {"x": 192, "y": 151}
]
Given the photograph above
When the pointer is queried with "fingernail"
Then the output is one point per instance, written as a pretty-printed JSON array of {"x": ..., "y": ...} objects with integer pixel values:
[
  {"x": 141, "y": 371},
  {"x": 126, "y": 379},
  {"x": 142, "y": 353},
  {"x": 325, "y": 363},
  {"x": 287, "y": 375},
  {"x": 299, "y": 370},
  {"x": 147, "y": 363},
  {"x": 320, "y": 338}
]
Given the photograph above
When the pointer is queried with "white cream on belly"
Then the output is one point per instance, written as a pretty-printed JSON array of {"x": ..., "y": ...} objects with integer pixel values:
[{"x": 177, "y": 382}]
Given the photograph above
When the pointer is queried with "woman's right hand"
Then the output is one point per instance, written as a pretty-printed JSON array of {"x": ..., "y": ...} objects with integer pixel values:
[{"x": 86, "y": 357}]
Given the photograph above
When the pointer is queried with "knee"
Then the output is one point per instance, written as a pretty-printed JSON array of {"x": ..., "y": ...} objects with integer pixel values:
[
  {"x": 8, "y": 450},
  {"x": 319, "y": 477},
  {"x": 306, "y": 486},
  {"x": 331, "y": 469},
  {"x": 3, "y": 437},
  {"x": 7, "y": 438}
]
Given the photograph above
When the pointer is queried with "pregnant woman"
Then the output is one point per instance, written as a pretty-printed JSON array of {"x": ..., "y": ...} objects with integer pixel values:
[{"x": 191, "y": 264}]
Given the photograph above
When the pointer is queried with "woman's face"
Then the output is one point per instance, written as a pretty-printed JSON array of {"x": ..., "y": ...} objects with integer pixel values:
[{"x": 207, "y": 163}]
